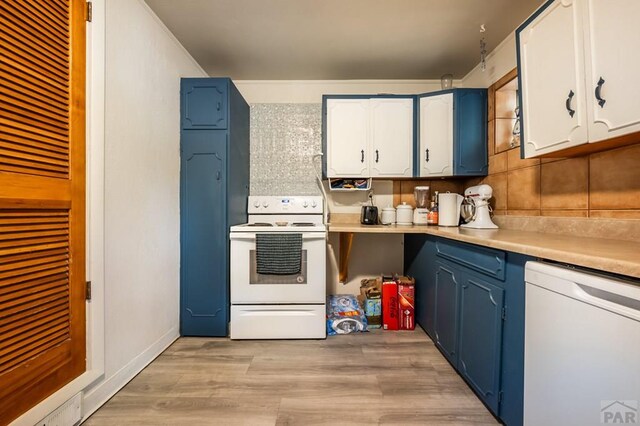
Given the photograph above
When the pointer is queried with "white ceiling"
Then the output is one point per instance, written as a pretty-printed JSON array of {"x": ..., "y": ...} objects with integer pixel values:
[{"x": 339, "y": 39}]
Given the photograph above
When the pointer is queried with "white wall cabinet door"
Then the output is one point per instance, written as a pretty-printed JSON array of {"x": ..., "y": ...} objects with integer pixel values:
[
  {"x": 612, "y": 41},
  {"x": 348, "y": 138},
  {"x": 436, "y": 135},
  {"x": 391, "y": 153},
  {"x": 553, "y": 82}
]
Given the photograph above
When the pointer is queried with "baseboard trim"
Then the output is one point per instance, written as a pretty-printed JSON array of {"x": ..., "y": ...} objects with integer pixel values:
[{"x": 97, "y": 396}]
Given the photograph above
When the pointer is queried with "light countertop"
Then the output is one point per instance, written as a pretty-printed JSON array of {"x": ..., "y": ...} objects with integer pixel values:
[{"x": 615, "y": 256}]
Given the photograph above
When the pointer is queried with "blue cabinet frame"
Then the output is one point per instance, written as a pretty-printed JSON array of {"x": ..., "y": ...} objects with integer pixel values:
[
  {"x": 469, "y": 133},
  {"x": 470, "y": 151},
  {"x": 385, "y": 96},
  {"x": 489, "y": 327},
  {"x": 214, "y": 185},
  {"x": 480, "y": 334},
  {"x": 447, "y": 304}
]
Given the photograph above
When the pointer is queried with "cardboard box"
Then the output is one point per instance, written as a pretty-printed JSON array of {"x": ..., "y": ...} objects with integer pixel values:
[
  {"x": 389, "y": 304},
  {"x": 406, "y": 305},
  {"x": 371, "y": 288}
]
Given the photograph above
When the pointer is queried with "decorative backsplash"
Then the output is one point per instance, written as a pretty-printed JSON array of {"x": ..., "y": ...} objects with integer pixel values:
[{"x": 284, "y": 138}]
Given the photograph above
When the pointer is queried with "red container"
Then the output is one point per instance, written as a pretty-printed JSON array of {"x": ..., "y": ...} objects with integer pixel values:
[
  {"x": 390, "y": 305},
  {"x": 406, "y": 297}
]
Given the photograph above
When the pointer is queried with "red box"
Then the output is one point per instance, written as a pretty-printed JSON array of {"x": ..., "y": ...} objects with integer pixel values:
[
  {"x": 406, "y": 297},
  {"x": 390, "y": 305}
]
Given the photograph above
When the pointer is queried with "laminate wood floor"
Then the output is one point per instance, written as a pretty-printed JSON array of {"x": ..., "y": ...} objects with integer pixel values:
[{"x": 367, "y": 378}]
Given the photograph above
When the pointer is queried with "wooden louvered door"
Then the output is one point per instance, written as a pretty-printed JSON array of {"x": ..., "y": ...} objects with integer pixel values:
[{"x": 42, "y": 200}]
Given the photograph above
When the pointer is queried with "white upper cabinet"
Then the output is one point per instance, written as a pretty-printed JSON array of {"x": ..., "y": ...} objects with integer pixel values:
[
  {"x": 436, "y": 135},
  {"x": 578, "y": 74},
  {"x": 369, "y": 137},
  {"x": 391, "y": 137},
  {"x": 613, "y": 39},
  {"x": 347, "y": 136},
  {"x": 552, "y": 78}
]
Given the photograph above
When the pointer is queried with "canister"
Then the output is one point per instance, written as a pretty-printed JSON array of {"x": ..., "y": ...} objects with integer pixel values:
[
  {"x": 404, "y": 214},
  {"x": 388, "y": 216}
]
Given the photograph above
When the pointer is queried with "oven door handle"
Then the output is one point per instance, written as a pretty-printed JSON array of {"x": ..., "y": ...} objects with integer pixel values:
[{"x": 244, "y": 236}]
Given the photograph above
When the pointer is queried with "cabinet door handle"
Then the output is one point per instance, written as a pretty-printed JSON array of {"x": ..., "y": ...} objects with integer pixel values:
[
  {"x": 362, "y": 156},
  {"x": 568, "y": 104},
  {"x": 219, "y": 106},
  {"x": 218, "y": 175},
  {"x": 377, "y": 156},
  {"x": 601, "y": 101},
  {"x": 426, "y": 155}
]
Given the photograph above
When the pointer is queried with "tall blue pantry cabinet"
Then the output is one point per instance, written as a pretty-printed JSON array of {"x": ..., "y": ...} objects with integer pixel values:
[{"x": 214, "y": 185}]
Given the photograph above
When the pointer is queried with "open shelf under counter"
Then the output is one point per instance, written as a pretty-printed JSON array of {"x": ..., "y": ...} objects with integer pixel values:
[{"x": 603, "y": 254}]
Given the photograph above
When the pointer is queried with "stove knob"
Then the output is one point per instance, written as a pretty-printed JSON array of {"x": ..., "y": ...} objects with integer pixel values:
[
  {"x": 256, "y": 204},
  {"x": 305, "y": 204},
  {"x": 265, "y": 204},
  {"x": 314, "y": 204}
]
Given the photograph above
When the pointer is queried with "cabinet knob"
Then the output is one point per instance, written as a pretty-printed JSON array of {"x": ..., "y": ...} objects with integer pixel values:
[
  {"x": 568, "y": 104},
  {"x": 601, "y": 101}
]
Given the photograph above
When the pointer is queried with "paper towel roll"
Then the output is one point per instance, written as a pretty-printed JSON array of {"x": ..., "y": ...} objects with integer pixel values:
[{"x": 449, "y": 209}]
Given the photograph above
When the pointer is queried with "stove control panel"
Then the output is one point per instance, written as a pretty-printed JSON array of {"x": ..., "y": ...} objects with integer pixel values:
[{"x": 305, "y": 204}]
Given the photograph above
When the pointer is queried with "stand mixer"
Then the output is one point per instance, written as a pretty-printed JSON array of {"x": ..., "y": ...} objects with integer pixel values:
[{"x": 475, "y": 209}]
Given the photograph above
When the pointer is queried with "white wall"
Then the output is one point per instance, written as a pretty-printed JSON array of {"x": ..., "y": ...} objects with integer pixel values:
[
  {"x": 144, "y": 64},
  {"x": 311, "y": 91},
  {"x": 499, "y": 62}
]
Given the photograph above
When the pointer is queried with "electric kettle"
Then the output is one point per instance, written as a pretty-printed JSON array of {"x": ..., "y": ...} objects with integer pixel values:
[{"x": 449, "y": 209}]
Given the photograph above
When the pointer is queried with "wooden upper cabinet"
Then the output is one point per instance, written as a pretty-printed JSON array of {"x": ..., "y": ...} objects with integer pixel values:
[
  {"x": 391, "y": 137},
  {"x": 42, "y": 200},
  {"x": 577, "y": 77},
  {"x": 436, "y": 135},
  {"x": 552, "y": 80},
  {"x": 452, "y": 132},
  {"x": 612, "y": 41},
  {"x": 368, "y": 135}
]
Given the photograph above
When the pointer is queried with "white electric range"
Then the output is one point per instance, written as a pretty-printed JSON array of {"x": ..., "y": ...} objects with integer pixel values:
[{"x": 279, "y": 306}]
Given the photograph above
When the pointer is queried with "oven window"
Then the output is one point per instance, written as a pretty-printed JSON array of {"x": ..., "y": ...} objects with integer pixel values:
[{"x": 296, "y": 279}]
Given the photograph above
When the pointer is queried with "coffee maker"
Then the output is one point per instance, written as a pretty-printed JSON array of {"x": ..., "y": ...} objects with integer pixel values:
[{"x": 421, "y": 196}]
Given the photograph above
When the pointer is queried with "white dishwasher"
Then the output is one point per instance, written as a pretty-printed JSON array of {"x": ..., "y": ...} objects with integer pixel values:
[{"x": 582, "y": 348}]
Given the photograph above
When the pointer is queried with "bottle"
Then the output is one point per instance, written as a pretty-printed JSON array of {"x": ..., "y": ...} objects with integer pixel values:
[{"x": 432, "y": 218}]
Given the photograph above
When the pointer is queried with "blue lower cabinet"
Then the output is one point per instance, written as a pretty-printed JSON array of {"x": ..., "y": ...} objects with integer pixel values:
[
  {"x": 448, "y": 281},
  {"x": 480, "y": 338},
  {"x": 470, "y": 301},
  {"x": 512, "y": 368},
  {"x": 214, "y": 185},
  {"x": 418, "y": 263}
]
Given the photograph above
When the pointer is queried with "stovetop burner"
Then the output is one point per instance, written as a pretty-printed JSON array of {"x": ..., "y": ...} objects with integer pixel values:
[
  {"x": 302, "y": 224},
  {"x": 260, "y": 224}
]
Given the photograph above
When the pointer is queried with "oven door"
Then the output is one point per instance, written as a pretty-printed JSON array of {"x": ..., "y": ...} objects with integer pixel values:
[{"x": 249, "y": 287}]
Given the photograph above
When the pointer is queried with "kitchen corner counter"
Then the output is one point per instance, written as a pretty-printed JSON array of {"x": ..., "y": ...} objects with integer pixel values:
[{"x": 609, "y": 255}]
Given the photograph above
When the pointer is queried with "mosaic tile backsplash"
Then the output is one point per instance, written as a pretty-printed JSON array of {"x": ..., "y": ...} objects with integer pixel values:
[{"x": 284, "y": 138}]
